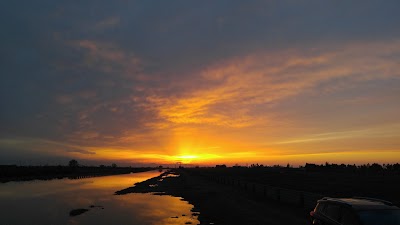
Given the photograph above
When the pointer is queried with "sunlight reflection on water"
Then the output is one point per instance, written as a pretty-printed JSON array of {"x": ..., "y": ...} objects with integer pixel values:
[{"x": 49, "y": 202}]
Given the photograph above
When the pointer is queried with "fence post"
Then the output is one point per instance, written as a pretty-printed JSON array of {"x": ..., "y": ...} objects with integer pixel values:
[
  {"x": 278, "y": 194},
  {"x": 302, "y": 199}
]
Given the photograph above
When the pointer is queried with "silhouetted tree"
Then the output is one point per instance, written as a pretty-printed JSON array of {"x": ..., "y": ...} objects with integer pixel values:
[
  {"x": 220, "y": 166},
  {"x": 73, "y": 163},
  {"x": 114, "y": 165},
  {"x": 256, "y": 166},
  {"x": 396, "y": 167},
  {"x": 376, "y": 167}
]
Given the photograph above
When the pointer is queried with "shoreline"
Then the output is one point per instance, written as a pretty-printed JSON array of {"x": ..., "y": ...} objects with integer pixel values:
[{"x": 218, "y": 204}]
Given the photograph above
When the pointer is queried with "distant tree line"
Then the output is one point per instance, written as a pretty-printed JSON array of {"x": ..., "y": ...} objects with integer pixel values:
[
  {"x": 374, "y": 167},
  {"x": 331, "y": 167},
  {"x": 74, "y": 164},
  {"x": 14, "y": 172}
]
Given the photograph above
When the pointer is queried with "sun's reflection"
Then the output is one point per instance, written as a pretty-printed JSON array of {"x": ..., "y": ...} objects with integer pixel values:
[{"x": 49, "y": 202}]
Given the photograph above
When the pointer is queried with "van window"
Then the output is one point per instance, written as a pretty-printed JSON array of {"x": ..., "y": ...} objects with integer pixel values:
[
  {"x": 320, "y": 207},
  {"x": 348, "y": 217},
  {"x": 387, "y": 217},
  {"x": 333, "y": 211}
]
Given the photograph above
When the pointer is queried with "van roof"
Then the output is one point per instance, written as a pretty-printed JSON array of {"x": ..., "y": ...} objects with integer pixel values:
[{"x": 362, "y": 203}]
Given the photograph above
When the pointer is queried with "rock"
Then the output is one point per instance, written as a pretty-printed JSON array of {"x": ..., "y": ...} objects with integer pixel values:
[
  {"x": 96, "y": 206},
  {"x": 77, "y": 212}
]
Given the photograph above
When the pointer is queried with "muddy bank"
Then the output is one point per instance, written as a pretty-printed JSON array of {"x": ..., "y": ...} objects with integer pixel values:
[{"x": 216, "y": 203}]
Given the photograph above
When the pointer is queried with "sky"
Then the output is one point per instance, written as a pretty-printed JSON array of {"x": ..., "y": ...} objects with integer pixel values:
[{"x": 199, "y": 82}]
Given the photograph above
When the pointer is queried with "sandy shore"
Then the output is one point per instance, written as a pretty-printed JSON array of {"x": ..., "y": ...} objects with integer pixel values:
[{"x": 219, "y": 204}]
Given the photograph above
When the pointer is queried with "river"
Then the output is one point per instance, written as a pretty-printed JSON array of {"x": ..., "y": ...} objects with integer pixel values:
[{"x": 50, "y": 202}]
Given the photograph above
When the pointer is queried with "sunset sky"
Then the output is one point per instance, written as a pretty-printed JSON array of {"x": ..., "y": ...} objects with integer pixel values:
[{"x": 199, "y": 82}]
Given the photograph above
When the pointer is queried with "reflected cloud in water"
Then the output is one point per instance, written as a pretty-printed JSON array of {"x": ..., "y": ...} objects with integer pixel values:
[{"x": 49, "y": 202}]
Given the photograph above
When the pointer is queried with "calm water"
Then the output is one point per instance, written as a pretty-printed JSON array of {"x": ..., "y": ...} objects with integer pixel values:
[{"x": 49, "y": 202}]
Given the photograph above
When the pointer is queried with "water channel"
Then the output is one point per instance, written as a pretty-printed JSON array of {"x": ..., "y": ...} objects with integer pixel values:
[{"x": 50, "y": 202}]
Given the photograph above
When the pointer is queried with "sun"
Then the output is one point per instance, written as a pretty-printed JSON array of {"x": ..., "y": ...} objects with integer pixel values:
[
  {"x": 186, "y": 158},
  {"x": 194, "y": 158}
]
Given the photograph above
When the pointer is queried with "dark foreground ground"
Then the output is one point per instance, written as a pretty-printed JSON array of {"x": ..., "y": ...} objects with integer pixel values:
[
  {"x": 219, "y": 204},
  {"x": 333, "y": 183}
]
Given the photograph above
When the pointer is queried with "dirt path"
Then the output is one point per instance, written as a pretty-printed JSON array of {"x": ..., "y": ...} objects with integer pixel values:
[{"x": 219, "y": 204}]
